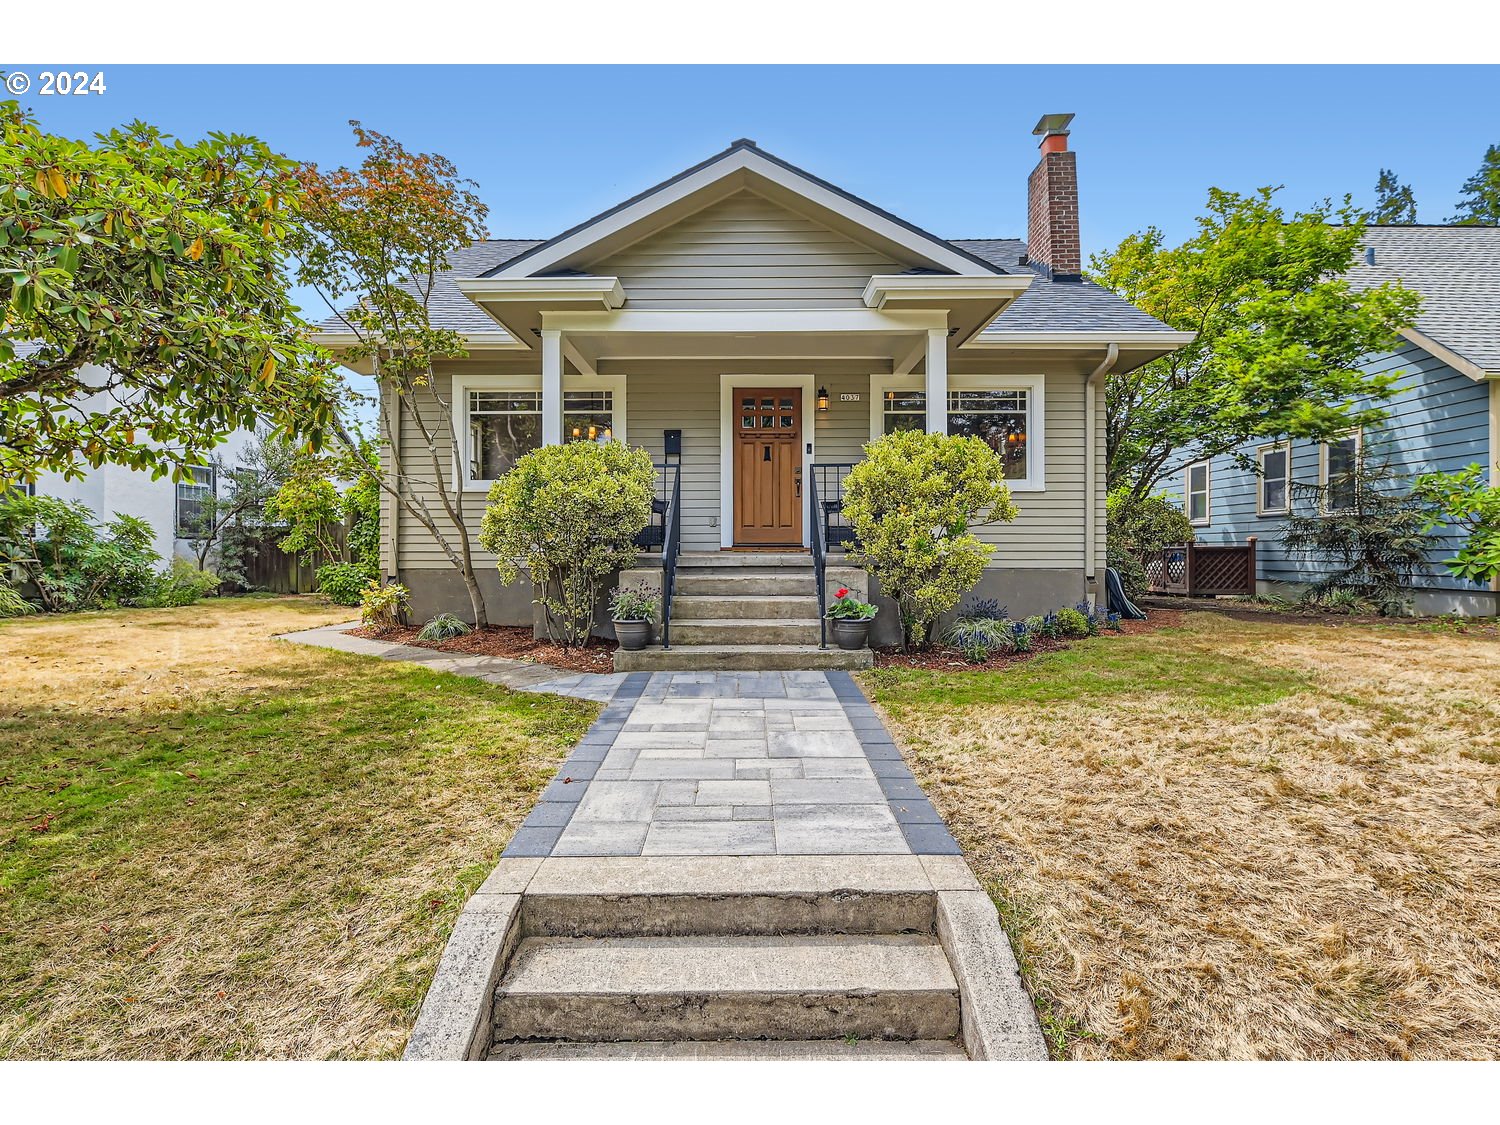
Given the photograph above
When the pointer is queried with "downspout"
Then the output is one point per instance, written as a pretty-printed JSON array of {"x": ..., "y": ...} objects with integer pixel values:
[{"x": 1091, "y": 461}]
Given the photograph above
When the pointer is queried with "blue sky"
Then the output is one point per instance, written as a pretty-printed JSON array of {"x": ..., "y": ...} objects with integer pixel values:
[{"x": 945, "y": 147}]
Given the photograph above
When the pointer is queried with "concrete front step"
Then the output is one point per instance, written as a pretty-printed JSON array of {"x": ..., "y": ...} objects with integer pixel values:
[
  {"x": 844, "y": 910},
  {"x": 739, "y": 560},
  {"x": 719, "y": 607},
  {"x": 705, "y": 631},
  {"x": 740, "y": 658},
  {"x": 712, "y": 988},
  {"x": 740, "y": 1050},
  {"x": 745, "y": 583}
]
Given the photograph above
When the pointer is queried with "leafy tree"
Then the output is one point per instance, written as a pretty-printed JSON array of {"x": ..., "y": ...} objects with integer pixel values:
[
  {"x": 569, "y": 515},
  {"x": 239, "y": 503},
  {"x": 1479, "y": 205},
  {"x": 1395, "y": 205},
  {"x": 1372, "y": 547},
  {"x": 914, "y": 502},
  {"x": 330, "y": 505},
  {"x": 380, "y": 235},
  {"x": 1280, "y": 334},
  {"x": 1139, "y": 527},
  {"x": 144, "y": 312},
  {"x": 1463, "y": 500},
  {"x": 69, "y": 560}
]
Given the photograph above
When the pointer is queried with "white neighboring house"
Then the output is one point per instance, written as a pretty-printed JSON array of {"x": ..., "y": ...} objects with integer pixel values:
[{"x": 168, "y": 506}]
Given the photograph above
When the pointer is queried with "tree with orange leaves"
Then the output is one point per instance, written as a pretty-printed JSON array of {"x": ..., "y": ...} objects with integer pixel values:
[{"x": 380, "y": 235}]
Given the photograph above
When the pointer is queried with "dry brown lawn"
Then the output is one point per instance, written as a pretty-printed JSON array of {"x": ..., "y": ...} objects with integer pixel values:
[
  {"x": 218, "y": 845},
  {"x": 1238, "y": 838}
]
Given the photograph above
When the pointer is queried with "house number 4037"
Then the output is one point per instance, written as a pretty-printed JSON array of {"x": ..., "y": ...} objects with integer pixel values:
[{"x": 849, "y": 398}]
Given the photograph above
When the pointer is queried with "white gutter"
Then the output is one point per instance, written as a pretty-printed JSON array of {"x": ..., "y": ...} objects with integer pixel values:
[{"x": 1091, "y": 459}]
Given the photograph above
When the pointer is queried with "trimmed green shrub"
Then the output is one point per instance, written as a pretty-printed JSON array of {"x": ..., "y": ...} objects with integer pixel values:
[
  {"x": 182, "y": 584},
  {"x": 381, "y": 607},
  {"x": 343, "y": 582},
  {"x": 569, "y": 515},
  {"x": 444, "y": 627},
  {"x": 1072, "y": 623},
  {"x": 913, "y": 502}
]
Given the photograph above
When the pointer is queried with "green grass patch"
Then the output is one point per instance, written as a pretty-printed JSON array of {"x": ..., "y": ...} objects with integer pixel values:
[
  {"x": 227, "y": 846},
  {"x": 1101, "y": 668}
]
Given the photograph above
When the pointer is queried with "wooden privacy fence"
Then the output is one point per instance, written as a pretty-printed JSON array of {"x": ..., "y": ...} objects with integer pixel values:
[
  {"x": 1203, "y": 569},
  {"x": 268, "y": 567}
]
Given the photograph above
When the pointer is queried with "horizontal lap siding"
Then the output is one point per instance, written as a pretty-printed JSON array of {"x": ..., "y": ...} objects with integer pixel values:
[
  {"x": 1047, "y": 534},
  {"x": 1437, "y": 422},
  {"x": 746, "y": 253}
]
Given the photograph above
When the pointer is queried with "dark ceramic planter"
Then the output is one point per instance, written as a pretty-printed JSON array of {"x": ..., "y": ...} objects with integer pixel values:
[
  {"x": 633, "y": 635},
  {"x": 852, "y": 633}
]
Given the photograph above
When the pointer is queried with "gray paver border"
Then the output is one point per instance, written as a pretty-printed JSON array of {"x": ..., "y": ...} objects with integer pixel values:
[
  {"x": 550, "y": 816},
  {"x": 920, "y": 822}
]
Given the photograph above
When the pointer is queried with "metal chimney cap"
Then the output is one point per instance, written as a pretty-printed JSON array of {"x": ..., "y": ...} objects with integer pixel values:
[{"x": 1052, "y": 124}]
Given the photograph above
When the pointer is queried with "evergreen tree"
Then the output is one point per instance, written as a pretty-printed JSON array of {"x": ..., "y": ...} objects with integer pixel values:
[
  {"x": 1395, "y": 205},
  {"x": 1480, "y": 203},
  {"x": 1365, "y": 527}
]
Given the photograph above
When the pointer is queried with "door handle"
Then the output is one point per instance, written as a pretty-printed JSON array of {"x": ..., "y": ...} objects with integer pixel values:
[{"x": 797, "y": 480}]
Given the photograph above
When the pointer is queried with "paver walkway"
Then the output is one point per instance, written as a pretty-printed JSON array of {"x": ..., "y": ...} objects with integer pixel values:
[
  {"x": 707, "y": 763},
  {"x": 734, "y": 763}
]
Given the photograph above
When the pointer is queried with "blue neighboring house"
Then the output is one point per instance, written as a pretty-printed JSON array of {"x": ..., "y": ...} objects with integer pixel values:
[{"x": 1444, "y": 416}]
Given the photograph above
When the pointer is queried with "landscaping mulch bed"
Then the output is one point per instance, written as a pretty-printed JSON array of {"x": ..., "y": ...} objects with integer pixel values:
[
  {"x": 943, "y": 658},
  {"x": 514, "y": 642}
]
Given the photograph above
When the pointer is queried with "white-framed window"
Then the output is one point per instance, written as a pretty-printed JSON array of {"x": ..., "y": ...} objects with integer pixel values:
[
  {"x": 501, "y": 421},
  {"x": 1337, "y": 472},
  {"x": 1196, "y": 490},
  {"x": 1275, "y": 476},
  {"x": 200, "y": 484},
  {"x": 1006, "y": 412}
]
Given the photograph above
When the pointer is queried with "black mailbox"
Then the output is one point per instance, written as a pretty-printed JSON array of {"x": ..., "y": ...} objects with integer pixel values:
[{"x": 671, "y": 443}]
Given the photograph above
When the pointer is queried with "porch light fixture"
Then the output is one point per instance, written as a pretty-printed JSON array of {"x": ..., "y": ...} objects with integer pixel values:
[{"x": 822, "y": 400}]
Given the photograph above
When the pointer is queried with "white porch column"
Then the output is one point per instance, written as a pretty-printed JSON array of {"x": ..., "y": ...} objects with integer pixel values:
[
  {"x": 552, "y": 412},
  {"x": 937, "y": 380}
]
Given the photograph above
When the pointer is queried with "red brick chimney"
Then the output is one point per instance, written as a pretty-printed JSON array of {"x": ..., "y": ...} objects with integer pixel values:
[{"x": 1052, "y": 238}]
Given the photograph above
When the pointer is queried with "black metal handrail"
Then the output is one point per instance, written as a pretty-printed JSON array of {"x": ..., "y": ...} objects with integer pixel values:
[
  {"x": 819, "y": 541},
  {"x": 830, "y": 477},
  {"x": 671, "y": 546}
]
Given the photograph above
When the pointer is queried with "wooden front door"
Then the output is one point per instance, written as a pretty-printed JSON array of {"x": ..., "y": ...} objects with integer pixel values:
[{"x": 768, "y": 467}]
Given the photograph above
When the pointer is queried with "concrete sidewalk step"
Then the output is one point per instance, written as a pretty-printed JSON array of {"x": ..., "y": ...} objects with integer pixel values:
[
  {"x": 729, "y": 657},
  {"x": 730, "y": 631},
  {"x": 743, "y": 607},
  {"x": 653, "y": 989},
  {"x": 704, "y": 913},
  {"x": 740, "y": 1050}
]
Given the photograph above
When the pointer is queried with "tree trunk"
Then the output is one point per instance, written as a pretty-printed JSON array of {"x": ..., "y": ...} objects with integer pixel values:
[{"x": 476, "y": 599}]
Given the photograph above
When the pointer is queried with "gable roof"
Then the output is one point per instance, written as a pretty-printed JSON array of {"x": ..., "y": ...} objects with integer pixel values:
[
  {"x": 740, "y": 165},
  {"x": 1047, "y": 305},
  {"x": 1457, "y": 272}
]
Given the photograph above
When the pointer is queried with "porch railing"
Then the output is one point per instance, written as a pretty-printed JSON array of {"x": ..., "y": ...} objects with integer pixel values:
[
  {"x": 829, "y": 512},
  {"x": 1202, "y": 569},
  {"x": 819, "y": 538},
  {"x": 671, "y": 545}
]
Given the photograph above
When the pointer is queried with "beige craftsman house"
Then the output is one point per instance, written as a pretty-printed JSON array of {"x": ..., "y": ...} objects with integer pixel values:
[{"x": 753, "y": 326}]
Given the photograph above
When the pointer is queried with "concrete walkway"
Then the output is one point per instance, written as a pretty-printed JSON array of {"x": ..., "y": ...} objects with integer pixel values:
[{"x": 515, "y": 674}]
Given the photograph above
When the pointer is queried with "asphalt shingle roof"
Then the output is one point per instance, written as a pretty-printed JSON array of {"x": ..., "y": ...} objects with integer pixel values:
[
  {"x": 1047, "y": 306},
  {"x": 1457, "y": 271}
]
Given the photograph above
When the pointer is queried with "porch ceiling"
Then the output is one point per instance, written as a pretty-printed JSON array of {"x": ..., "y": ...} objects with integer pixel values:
[{"x": 884, "y": 348}]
